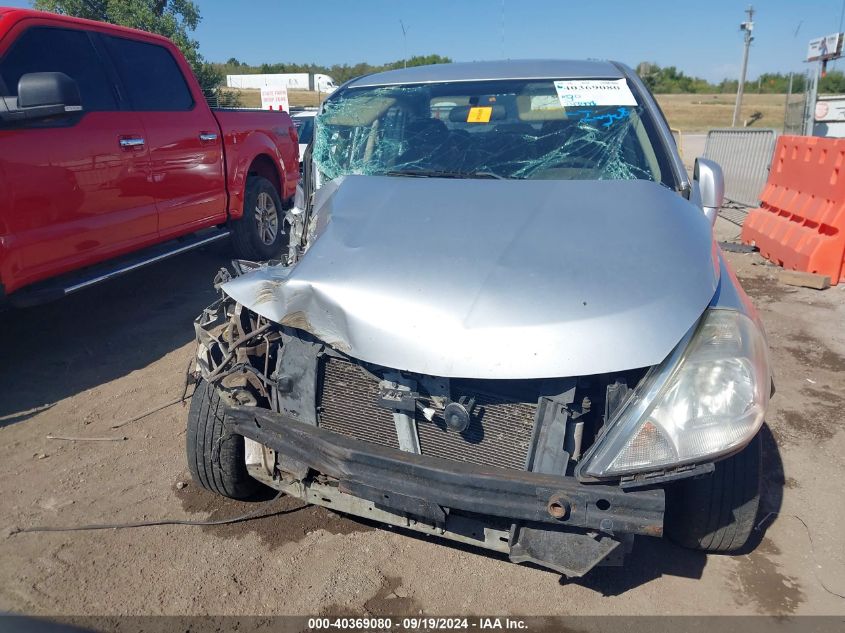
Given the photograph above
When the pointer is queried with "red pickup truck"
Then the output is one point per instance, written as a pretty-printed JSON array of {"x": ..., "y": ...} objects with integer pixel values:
[{"x": 109, "y": 153}]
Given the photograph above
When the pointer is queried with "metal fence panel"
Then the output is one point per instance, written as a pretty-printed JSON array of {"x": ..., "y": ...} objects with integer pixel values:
[
  {"x": 745, "y": 157},
  {"x": 795, "y": 115}
]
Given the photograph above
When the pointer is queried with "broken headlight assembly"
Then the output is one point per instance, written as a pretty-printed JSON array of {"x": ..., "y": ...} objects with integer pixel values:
[{"x": 706, "y": 400}]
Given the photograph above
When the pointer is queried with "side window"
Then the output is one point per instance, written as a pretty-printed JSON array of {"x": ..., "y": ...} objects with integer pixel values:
[
  {"x": 151, "y": 76},
  {"x": 47, "y": 49}
]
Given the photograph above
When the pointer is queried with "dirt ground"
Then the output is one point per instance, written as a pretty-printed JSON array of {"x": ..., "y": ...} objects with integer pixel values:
[
  {"x": 250, "y": 98},
  {"x": 79, "y": 366}
]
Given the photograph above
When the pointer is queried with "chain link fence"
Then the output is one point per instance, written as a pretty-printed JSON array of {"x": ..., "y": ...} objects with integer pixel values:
[
  {"x": 796, "y": 109},
  {"x": 745, "y": 156}
]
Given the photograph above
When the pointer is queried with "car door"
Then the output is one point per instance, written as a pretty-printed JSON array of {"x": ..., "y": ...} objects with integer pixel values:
[
  {"x": 78, "y": 185},
  {"x": 182, "y": 135}
]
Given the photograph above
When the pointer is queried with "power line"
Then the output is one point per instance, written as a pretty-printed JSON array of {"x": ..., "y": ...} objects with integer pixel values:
[
  {"x": 841, "y": 16},
  {"x": 841, "y": 20},
  {"x": 404, "y": 44}
]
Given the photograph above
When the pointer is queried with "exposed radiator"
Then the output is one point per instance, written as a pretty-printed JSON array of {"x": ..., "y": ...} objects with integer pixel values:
[
  {"x": 347, "y": 400},
  {"x": 499, "y": 435}
]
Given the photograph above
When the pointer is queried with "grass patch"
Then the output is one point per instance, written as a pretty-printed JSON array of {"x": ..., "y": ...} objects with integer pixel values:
[{"x": 702, "y": 112}]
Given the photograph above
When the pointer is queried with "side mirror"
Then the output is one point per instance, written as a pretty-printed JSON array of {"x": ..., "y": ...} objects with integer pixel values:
[
  {"x": 41, "y": 95},
  {"x": 707, "y": 175}
]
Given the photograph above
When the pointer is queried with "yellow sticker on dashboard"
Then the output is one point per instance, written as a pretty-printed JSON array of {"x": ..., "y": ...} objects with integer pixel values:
[{"x": 479, "y": 115}]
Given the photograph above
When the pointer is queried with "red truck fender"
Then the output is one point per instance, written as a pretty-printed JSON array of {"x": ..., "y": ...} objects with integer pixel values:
[{"x": 255, "y": 152}]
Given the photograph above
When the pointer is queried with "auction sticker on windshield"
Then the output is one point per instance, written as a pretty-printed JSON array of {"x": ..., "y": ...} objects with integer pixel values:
[
  {"x": 594, "y": 92},
  {"x": 479, "y": 115}
]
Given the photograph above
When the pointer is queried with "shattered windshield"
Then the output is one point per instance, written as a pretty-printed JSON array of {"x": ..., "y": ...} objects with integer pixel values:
[{"x": 526, "y": 129}]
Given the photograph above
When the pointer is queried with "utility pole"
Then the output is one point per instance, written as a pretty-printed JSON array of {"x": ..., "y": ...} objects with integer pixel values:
[
  {"x": 748, "y": 27},
  {"x": 813, "y": 94}
]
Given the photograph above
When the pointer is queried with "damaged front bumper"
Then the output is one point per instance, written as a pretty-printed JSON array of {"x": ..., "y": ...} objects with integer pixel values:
[{"x": 550, "y": 520}]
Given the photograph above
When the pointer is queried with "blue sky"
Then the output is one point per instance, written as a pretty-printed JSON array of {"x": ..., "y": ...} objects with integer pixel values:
[{"x": 701, "y": 38}]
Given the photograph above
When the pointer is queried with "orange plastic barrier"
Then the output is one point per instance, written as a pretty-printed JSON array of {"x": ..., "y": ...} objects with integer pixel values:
[{"x": 800, "y": 224}]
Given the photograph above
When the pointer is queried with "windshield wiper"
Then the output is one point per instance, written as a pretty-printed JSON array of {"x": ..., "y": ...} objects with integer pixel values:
[{"x": 442, "y": 173}]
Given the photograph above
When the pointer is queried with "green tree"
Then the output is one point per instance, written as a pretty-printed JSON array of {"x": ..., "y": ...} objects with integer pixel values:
[
  {"x": 669, "y": 79},
  {"x": 338, "y": 72},
  {"x": 832, "y": 83},
  {"x": 419, "y": 60},
  {"x": 174, "y": 19}
]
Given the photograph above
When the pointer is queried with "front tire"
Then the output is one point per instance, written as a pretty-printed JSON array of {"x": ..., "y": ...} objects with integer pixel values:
[
  {"x": 717, "y": 512},
  {"x": 260, "y": 234},
  {"x": 216, "y": 454}
]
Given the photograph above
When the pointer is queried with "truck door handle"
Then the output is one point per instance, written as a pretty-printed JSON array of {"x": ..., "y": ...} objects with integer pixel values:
[
  {"x": 132, "y": 142},
  {"x": 207, "y": 137}
]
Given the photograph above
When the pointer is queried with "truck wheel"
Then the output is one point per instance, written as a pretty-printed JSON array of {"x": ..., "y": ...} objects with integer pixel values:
[
  {"x": 716, "y": 513},
  {"x": 259, "y": 234},
  {"x": 215, "y": 454}
]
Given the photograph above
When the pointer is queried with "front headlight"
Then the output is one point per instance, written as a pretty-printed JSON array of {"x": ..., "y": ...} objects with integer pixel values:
[{"x": 706, "y": 400}]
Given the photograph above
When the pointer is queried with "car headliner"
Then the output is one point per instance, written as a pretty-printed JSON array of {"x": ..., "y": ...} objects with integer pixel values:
[{"x": 484, "y": 71}]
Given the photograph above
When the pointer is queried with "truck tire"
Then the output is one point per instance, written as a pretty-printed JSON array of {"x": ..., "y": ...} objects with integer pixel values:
[
  {"x": 215, "y": 454},
  {"x": 717, "y": 512},
  {"x": 259, "y": 234}
]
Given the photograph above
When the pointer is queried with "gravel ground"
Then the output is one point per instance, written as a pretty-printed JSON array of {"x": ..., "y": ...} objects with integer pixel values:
[{"x": 79, "y": 366}]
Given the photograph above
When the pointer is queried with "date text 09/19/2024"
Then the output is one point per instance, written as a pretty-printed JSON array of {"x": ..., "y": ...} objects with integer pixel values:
[{"x": 416, "y": 624}]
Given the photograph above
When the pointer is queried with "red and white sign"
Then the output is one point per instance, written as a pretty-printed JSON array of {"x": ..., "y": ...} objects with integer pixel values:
[
  {"x": 275, "y": 98},
  {"x": 830, "y": 110}
]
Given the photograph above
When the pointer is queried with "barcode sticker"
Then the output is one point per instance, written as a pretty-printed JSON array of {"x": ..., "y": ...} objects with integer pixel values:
[{"x": 594, "y": 92}]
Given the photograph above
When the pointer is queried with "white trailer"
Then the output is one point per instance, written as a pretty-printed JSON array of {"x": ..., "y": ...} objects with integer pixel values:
[{"x": 292, "y": 81}]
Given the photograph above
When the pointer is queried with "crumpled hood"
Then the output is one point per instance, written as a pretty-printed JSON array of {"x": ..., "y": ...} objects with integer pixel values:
[{"x": 495, "y": 278}]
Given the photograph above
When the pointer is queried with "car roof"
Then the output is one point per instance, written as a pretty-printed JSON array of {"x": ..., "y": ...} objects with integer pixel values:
[{"x": 481, "y": 71}]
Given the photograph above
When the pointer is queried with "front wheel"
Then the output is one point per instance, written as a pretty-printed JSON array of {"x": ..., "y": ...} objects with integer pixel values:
[
  {"x": 716, "y": 513},
  {"x": 260, "y": 234},
  {"x": 216, "y": 454}
]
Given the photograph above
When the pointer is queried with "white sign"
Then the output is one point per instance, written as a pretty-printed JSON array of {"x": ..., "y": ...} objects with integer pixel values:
[
  {"x": 275, "y": 98},
  {"x": 594, "y": 92},
  {"x": 830, "y": 110},
  {"x": 827, "y": 47}
]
